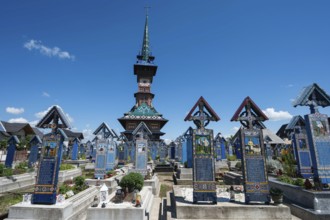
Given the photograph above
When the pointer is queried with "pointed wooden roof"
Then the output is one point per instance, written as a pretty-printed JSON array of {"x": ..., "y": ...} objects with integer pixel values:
[
  {"x": 295, "y": 121},
  {"x": 108, "y": 130},
  {"x": 214, "y": 116},
  {"x": 306, "y": 96},
  {"x": 35, "y": 140},
  {"x": 13, "y": 140},
  {"x": 261, "y": 116},
  {"x": 142, "y": 126},
  {"x": 50, "y": 115}
]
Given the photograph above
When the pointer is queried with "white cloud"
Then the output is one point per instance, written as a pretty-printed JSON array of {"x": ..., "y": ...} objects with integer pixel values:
[
  {"x": 45, "y": 94},
  {"x": 45, "y": 50},
  {"x": 18, "y": 120},
  {"x": 33, "y": 123},
  {"x": 88, "y": 134},
  {"x": 167, "y": 141},
  {"x": 15, "y": 111},
  {"x": 235, "y": 128},
  {"x": 41, "y": 114},
  {"x": 276, "y": 116},
  {"x": 289, "y": 86}
]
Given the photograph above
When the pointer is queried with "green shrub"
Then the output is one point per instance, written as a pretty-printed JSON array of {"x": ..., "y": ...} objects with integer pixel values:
[
  {"x": 22, "y": 165},
  {"x": 64, "y": 189},
  {"x": 2, "y": 167},
  {"x": 132, "y": 181},
  {"x": 79, "y": 184},
  {"x": 298, "y": 182},
  {"x": 4, "y": 171},
  {"x": 66, "y": 167},
  {"x": 238, "y": 165},
  {"x": 79, "y": 181},
  {"x": 286, "y": 179},
  {"x": 275, "y": 191},
  {"x": 231, "y": 158}
]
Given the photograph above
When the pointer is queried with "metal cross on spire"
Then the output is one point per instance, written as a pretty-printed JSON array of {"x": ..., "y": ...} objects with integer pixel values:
[{"x": 147, "y": 9}]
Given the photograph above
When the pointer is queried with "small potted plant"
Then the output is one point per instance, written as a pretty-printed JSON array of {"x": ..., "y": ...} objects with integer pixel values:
[{"x": 276, "y": 194}]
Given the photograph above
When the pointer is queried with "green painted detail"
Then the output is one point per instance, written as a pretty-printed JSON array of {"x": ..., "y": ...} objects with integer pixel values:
[{"x": 144, "y": 110}]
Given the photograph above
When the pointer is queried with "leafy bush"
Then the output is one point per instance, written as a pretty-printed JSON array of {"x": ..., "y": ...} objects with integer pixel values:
[
  {"x": 64, "y": 189},
  {"x": 298, "y": 182},
  {"x": 7, "y": 172},
  {"x": 22, "y": 165},
  {"x": 289, "y": 163},
  {"x": 275, "y": 191},
  {"x": 238, "y": 165},
  {"x": 66, "y": 167},
  {"x": 286, "y": 179},
  {"x": 79, "y": 184},
  {"x": 132, "y": 181},
  {"x": 4, "y": 171},
  {"x": 79, "y": 181},
  {"x": 231, "y": 158}
]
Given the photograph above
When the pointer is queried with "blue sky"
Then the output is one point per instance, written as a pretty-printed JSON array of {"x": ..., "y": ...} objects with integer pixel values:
[{"x": 80, "y": 55}]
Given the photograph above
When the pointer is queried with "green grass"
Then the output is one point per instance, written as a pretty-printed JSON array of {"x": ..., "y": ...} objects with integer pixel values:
[
  {"x": 8, "y": 200},
  {"x": 164, "y": 189},
  {"x": 67, "y": 167}
]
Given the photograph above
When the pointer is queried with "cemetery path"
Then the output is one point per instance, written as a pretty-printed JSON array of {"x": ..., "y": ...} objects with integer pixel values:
[{"x": 165, "y": 184}]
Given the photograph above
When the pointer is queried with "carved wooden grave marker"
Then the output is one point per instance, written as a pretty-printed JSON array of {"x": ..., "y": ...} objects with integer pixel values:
[
  {"x": 11, "y": 150},
  {"x": 297, "y": 130},
  {"x": 75, "y": 149},
  {"x": 317, "y": 129},
  {"x": 256, "y": 187},
  {"x": 34, "y": 150},
  {"x": 141, "y": 138},
  {"x": 50, "y": 159},
  {"x": 204, "y": 185},
  {"x": 106, "y": 150}
]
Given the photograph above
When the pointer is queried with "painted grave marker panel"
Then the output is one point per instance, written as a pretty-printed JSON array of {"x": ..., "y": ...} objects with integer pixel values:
[
  {"x": 303, "y": 156},
  {"x": 100, "y": 163},
  {"x": 121, "y": 154},
  {"x": 203, "y": 166},
  {"x": 111, "y": 155},
  {"x": 162, "y": 153},
  {"x": 34, "y": 150},
  {"x": 11, "y": 150},
  {"x": 254, "y": 168},
  {"x": 218, "y": 150},
  {"x": 47, "y": 175},
  {"x": 184, "y": 151},
  {"x": 75, "y": 149},
  {"x": 317, "y": 127},
  {"x": 141, "y": 159},
  {"x": 82, "y": 150},
  {"x": 189, "y": 151}
]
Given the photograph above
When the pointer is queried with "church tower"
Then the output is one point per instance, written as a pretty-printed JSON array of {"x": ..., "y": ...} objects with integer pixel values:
[{"x": 143, "y": 110}]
